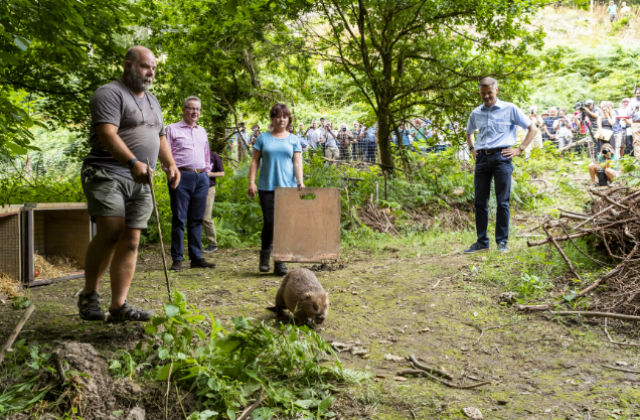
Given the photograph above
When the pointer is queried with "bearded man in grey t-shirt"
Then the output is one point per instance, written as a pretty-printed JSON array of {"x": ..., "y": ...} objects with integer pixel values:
[{"x": 126, "y": 131}]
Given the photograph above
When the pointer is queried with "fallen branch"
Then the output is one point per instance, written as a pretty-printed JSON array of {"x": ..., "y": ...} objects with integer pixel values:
[
  {"x": 609, "y": 274},
  {"x": 595, "y": 314},
  {"x": 429, "y": 369},
  {"x": 622, "y": 369},
  {"x": 420, "y": 372},
  {"x": 247, "y": 411},
  {"x": 564, "y": 256},
  {"x": 619, "y": 343},
  {"x": 16, "y": 331}
]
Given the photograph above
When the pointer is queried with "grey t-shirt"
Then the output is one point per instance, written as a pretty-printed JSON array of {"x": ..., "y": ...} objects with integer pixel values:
[{"x": 139, "y": 122}]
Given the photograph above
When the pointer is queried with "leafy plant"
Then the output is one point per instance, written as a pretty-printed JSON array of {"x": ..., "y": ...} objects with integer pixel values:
[{"x": 293, "y": 368}]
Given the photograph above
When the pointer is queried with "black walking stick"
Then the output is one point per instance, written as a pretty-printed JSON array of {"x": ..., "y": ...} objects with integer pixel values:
[{"x": 155, "y": 208}]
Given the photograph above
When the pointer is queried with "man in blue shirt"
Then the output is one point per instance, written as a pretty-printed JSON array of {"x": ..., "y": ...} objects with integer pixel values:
[
  {"x": 371, "y": 141},
  {"x": 496, "y": 123}
]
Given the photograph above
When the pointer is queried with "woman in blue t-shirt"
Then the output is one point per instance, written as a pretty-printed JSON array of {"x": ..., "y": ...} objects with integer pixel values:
[{"x": 281, "y": 156}]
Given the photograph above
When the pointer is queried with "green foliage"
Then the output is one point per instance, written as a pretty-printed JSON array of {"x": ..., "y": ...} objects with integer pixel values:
[
  {"x": 293, "y": 367},
  {"x": 420, "y": 58},
  {"x": 529, "y": 286},
  {"x": 22, "y": 377},
  {"x": 574, "y": 74},
  {"x": 619, "y": 24},
  {"x": 57, "y": 52}
]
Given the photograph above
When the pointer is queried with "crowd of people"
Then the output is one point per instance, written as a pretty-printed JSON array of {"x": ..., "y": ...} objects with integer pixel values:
[
  {"x": 601, "y": 124},
  {"x": 606, "y": 131},
  {"x": 345, "y": 143}
]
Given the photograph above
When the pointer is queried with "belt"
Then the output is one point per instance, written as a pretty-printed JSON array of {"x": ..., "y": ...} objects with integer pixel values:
[
  {"x": 198, "y": 171},
  {"x": 491, "y": 151}
]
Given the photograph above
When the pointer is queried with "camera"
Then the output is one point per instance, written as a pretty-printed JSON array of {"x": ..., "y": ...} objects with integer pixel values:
[
  {"x": 344, "y": 128},
  {"x": 580, "y": 105}
]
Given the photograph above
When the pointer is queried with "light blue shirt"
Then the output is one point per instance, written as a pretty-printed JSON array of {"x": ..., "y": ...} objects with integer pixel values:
[
  {"x": 496, "y": 125},
  {"x": 370, "y": 135},
  {"x": 277, "y": 161},
  {"x": 406, "y": 137}
]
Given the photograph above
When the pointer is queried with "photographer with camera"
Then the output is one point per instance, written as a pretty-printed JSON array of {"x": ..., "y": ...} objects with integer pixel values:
[
  {"x": 345, "y": 139},
  {"x": 605, "y": 169},
  {"x": 590, "y": 116}
]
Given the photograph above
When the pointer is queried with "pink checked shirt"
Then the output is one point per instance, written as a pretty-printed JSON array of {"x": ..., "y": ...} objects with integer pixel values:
[{"x": 189, "y": 146}]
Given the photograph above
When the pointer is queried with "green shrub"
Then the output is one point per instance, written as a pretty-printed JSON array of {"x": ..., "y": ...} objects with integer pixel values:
[{"x": 294, "y": 367}]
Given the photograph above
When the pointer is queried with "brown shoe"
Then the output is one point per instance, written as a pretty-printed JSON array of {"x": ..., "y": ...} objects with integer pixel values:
[
  {"x": 202, "y": 263},
  {"x": 176, "y": 266}
]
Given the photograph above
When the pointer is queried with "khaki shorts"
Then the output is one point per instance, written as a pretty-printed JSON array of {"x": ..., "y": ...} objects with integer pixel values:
[{"x": 112, "y": 195}]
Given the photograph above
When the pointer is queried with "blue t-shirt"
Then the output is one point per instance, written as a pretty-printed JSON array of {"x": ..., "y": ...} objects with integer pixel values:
[
  {"x": 277, "y": 161},
  {"x": 370, "y": 135},
  {"x": 496, "y": 125},
  {"x": 406, "y": 139}
]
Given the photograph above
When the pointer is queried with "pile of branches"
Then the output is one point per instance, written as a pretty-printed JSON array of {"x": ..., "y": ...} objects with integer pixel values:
[
  {"x": 377, "y": 218},
  {"x": 615, "y": 220}
]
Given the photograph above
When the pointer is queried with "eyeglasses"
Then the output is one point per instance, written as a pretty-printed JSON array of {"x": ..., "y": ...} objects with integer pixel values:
[{"x": 190, "y": 108}]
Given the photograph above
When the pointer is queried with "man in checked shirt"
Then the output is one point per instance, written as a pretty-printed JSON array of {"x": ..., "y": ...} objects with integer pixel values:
[{"x": 190, "y": 150}]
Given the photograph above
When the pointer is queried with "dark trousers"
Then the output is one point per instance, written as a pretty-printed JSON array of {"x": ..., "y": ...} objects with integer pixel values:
[
  {"x": 371, "y": 152},
  {"x": 267, "y": 199},
  {"x": 188, "y": 202},
  {"x": 628, "y": 144},
  {"x": 499, "y": 168},
  {"x": 345, "y": 152}
]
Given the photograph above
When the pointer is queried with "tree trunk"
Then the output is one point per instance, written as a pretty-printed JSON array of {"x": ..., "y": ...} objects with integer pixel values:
[{"x": 384, "y": 133}]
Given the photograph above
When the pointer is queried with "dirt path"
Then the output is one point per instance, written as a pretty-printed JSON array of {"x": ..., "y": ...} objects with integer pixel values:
[{"x": 398, "y": 300}]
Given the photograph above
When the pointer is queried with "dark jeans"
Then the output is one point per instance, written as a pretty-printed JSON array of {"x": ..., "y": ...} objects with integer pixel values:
[
  {"x": 188, "y": 202},
  {"x": 628, "y": 145},
  {"x": 371, "y": 152},
  {"x": 267, "y": 199},
  {"x": 499, "y": 168}
]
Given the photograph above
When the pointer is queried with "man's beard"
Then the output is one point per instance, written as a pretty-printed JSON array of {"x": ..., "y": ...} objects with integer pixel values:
[{"x": 136, "y": 82}]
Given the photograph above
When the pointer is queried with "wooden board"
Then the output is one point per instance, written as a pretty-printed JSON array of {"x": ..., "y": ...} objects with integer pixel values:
[
  {"x": 306, "y": 225},
  {"x": 10, "y": 243}
]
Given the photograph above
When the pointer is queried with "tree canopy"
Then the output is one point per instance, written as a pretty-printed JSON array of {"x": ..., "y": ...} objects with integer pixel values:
[{"x": 417, "y": 57}]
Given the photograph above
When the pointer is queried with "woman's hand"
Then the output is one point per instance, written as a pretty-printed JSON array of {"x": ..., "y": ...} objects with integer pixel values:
[
  {"x": 253, "y": 189},
  {"x": 300, "y": 185}
]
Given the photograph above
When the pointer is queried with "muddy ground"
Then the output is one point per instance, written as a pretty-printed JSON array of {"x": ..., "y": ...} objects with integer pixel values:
[{"x": 397, "y": 298}]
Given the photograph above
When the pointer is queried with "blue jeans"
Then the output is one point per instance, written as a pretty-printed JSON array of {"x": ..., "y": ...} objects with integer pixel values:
[
  {"x": 371, "y": 152},
  {"x": 188, "y": 202},
  {"x": 499, "y": 168}
]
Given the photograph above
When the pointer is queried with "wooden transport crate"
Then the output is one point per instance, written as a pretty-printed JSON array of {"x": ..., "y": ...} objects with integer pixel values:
[
  {"x": 63, "y": 229},
  {"x": 10, "y": 242},
  {"x": 306, "y": 225}
]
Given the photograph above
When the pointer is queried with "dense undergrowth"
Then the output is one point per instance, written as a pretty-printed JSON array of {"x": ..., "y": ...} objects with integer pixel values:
[
  {"x": 428, "y": 184},
  {"x": 292, "y": 370}
]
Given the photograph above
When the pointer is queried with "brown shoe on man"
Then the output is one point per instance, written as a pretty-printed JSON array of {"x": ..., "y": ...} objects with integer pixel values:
[
  {"x": 176, "y": 266},
  {"x": 202, "y": 263}
]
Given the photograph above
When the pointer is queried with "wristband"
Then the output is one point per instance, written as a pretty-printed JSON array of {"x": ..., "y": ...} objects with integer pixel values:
[
  {"x": 131, "y": 163},
  {"x": 471, "y": 148}
]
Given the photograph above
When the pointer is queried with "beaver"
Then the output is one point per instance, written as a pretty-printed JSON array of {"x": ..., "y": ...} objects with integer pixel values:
[{"x": 302, "y": 294}]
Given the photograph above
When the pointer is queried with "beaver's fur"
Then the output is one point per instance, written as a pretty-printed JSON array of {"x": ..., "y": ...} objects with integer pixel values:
[{"x": 302, "y": 294}]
